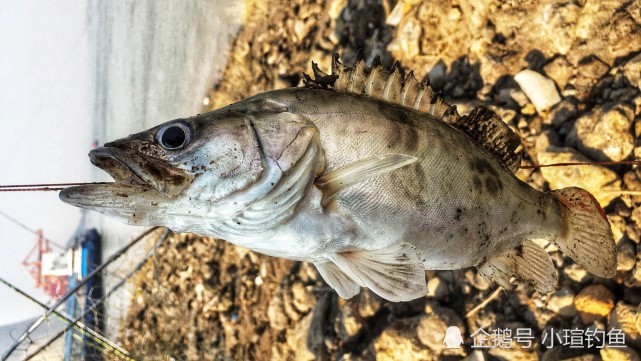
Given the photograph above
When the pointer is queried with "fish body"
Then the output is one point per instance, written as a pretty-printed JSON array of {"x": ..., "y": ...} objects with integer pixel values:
[{"x": 367, "y": 175}]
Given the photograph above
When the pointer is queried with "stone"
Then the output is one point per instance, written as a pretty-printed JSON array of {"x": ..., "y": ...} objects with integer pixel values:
[
  {"x": 618, "y": 354},
  {"x": 605, "y": 134},
  {"x": 561, "y": 302},
  {"x": 632, "y": 71},
  {"x": 559, "y": 70},
  {"x": 369, "y": 303},
  {"x": 276, "y": 313},
  {"x": 602, "y": 182},
  {"x": 397, "y": 342},
  {"x": 539, "y": 89},
  {"x": 617, "y": 224},
  {"x": 558, "y": 19},
  {"x": 437, "y": 288},
  {"x": 593, "y": 303},
  {"x": 625, "y": 317},
  {"x": 297, "y": 339},
  {"x": 302, "y": 298},
  {"x": 626, "y": 256},
  {"x": 432, "y": 327}
]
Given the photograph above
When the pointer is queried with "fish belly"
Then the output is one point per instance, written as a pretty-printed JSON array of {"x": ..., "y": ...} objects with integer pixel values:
[{"x": 457, "y": 204}]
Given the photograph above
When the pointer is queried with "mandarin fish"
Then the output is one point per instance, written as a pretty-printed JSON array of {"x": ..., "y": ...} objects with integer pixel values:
[{"x": 367, "y": 174}]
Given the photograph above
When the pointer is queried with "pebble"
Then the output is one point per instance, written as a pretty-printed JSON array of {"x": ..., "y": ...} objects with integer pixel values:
[
  {"x": 297, "y": 339},
  {"x": 577, "y": 273},
  {"x": 437, "y": 288},
  {"x": 369, "y": 303},
  {"x": 632, "y": 71},
  {"x": 598, "y": 180},
  {"x": 626, "y": 256},
  {"x": 617, "y": 224},
  {"x": 625, "y": 317},
  {"x": 432, "y": 327},
  {"x": 593, "y": 303},
  {"x": 276, "y": 313},
  {"x": 559, "y": 70},
  {"x": 396, "y": 342},
  {"x": 540, "y": 89},
  {"x": 605, "y": 134},
  {"x": 561, "y": 302},
  {"x": 302, "y": 298}
]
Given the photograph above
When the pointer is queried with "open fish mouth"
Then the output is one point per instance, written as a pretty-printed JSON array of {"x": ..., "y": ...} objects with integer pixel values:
[
  {"x": 139, "y": 180},
  {"x": 115, "y": 164}
]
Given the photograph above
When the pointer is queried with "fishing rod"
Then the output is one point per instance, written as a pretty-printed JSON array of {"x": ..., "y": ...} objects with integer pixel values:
[
  {"x": 80, "y": 284},
  {"x": 80, "y": 326},
  {"x": 109, "y": 293},
  {"x": 42, "y": 187}
]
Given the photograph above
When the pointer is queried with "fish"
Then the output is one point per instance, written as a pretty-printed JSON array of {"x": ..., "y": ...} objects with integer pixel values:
[{"x": 365, "y": 172}]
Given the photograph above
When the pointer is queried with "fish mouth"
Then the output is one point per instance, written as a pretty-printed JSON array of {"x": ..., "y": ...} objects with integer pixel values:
[{"x": 139, "y": 181}]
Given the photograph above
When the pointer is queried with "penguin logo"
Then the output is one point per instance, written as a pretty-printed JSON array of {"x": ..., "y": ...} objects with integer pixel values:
[{"x": 453, "y": 338}]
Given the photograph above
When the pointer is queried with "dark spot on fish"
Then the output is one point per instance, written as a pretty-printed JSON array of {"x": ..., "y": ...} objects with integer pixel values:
[
  {"x": 491, "y": 184},
  {"x": 478, "y": 185},
  {"x": 122, "y": 195},
  {"x": 459, "y": 211},
  {"x": 519, "y": 250},
  {"x": 482, "y": 166}
]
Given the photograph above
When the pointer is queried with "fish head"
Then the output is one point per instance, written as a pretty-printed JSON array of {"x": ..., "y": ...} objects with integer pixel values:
[
  {"x": 172, "y": 170},
  {"x": 187, "y": 173}
]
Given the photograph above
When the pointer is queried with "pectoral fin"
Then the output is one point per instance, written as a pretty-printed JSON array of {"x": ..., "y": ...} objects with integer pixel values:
[
  {"x": 359, "y": 171},
  {"x": 395, "y": 273},
  {"x": 527, "y": 262}
]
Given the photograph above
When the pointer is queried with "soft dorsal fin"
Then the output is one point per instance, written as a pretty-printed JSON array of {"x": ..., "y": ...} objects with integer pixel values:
[{"x": 482, "y": 125}]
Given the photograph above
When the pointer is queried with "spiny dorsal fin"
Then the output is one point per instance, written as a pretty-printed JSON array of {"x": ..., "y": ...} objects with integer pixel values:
[{"x": 482, "y": 125}]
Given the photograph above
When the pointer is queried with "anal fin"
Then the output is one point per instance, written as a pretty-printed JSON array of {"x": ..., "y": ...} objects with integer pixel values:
[
  {"x": 395, "y": 273},
  {"x": 527, "y": 262}
]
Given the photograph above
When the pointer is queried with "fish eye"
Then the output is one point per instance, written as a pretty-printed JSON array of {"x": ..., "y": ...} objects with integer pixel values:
[{"x": 174, "y": 136}]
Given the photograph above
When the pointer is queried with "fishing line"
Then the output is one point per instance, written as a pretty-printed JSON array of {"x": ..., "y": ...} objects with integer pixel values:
[
  {"x": 626, "y": 162},
  {"x": 60, "y": 186},
  {"x": 42, "y": 187}
]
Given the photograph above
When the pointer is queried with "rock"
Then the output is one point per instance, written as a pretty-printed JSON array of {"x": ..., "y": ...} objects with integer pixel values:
[
  {"x": 561, "y": 302},
  {"x": 626, "y": 256},
  {"x": 588, "y": 73},
  {"x": 558, "y": 19},
  {"x": 302, "y": 299},
  {"x": 618, "y": 354},
  {"x": 397, "y": 342},
  {"x": 276, "y": 312},
  {"x": 624, "y": 317},
  {"x": 593, "y": 303},
  {"x": 297, "y": 339},
  {"x": 617, "y": 224},
  {"x": 432, "y": 327},
  {"x": 559, "y": 70},
  {"x": 541, "y": 90},
  {"x": 605, "y": 134},
  {"x": 600, "y": 181},
  {"x": 632, "y": 71},
  {"x": 437, "y": 288},
  {"x": 369, "y": 303}
]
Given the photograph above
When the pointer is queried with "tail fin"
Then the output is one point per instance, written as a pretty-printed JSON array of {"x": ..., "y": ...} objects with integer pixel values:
[{"x": 587, "y": 237}]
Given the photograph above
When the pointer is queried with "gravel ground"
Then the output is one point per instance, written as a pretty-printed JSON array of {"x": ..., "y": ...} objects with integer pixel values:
[{"x": 564, "y": 74}]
